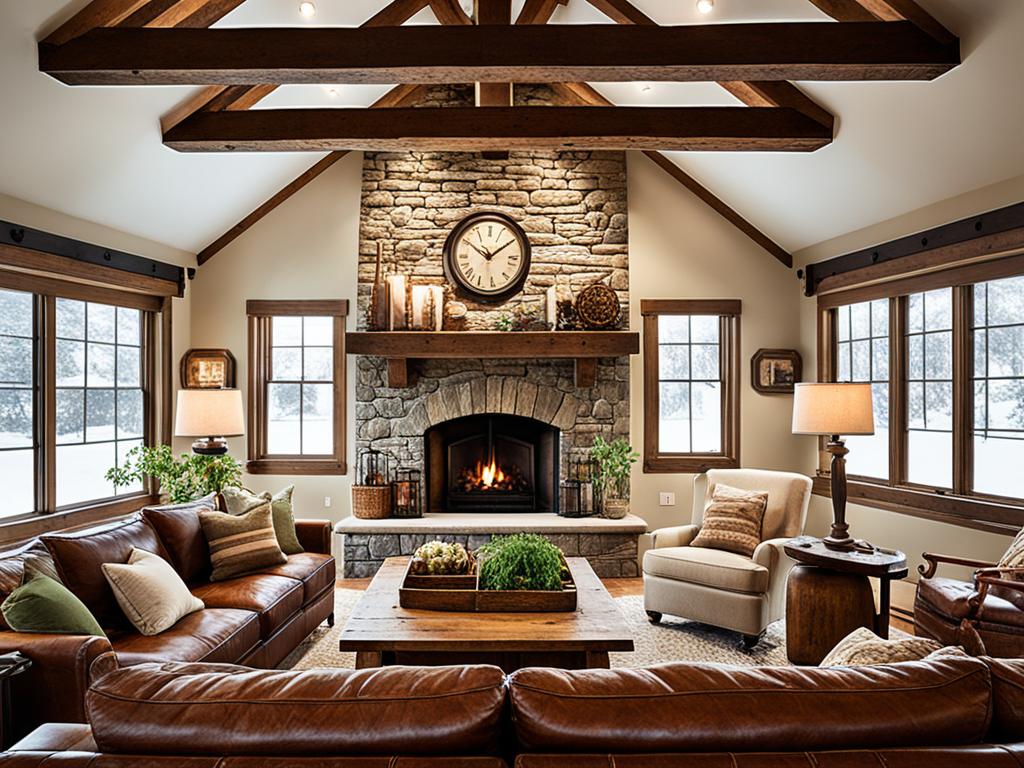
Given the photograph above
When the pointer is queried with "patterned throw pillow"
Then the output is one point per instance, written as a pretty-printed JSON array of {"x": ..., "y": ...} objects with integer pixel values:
[
  {"x": 238, "y": 501},
  {"x": 241, "y": 544},
  {"x": 1014, "y": 556},
  {"x": 733, "y": 520},
  {"x": 862, "y": 646}
]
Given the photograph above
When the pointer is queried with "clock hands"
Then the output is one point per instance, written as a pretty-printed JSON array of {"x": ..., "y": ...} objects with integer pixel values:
[
  {"x": 502, "y": 248},
  {"x": 485, "y": 253}
]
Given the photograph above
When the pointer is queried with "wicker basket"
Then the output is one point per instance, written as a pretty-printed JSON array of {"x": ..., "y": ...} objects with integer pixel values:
[{"x": 371, "y": 502}]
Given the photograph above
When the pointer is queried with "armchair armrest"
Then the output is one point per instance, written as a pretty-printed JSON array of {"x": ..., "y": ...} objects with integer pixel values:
[
  {"x": 772, "y": 555},
  {"x": 933, "y": 561},
  {"x": 315, "y": 535},
  {"x": 675, "y": 536}
]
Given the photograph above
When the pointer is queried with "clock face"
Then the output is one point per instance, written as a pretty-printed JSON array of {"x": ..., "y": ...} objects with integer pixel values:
[{"x": 488, "y": 256}]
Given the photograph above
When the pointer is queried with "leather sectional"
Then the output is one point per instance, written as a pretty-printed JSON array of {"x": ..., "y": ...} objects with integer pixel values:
[{"x": 255, "y": 620}]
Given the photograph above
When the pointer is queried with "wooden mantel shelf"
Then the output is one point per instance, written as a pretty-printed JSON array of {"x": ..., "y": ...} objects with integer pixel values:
[{"x": 583, "y": 347}]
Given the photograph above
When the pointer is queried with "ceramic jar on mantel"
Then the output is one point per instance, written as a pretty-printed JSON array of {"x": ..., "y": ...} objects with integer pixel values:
[{"x": 615, "y": 509}]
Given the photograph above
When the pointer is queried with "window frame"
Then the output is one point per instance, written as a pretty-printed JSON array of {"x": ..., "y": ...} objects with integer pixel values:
[
  {"x": 960, "y": 505},
  {"x": 728, "y": 311},
  {"x": 260, "y": 462}
]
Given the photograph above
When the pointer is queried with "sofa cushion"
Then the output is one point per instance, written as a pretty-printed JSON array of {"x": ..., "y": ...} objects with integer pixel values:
[
  {"x": 79, "y": 556},
  {"x": 222, "y": 635},
  {"x": 178, "y": 527},
  {"x": 150, "y": 592},
  {"x": 949, "y": 597},
  {"x": 862, "y": 646},
  {"x": 682, "y": 707},
  {"x": 241, "y": 544},
  {"x": 204, "y": 709},
  {"x": 1007, "y": 699},
  {"x": 316, "y": 572},
  {"x": 275, "y": 599},
  {"x": 238, "y": 501},
  {"x": 32, "y": 555},
  {"x": 733, "y": 520},
  {"x": 43, "y": 605},
  {"x": 710, "y": 567}
]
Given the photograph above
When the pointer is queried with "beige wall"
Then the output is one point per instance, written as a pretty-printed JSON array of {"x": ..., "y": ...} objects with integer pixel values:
[
  {"x": 680, "y": 248},
  {"x": 305, "y": 249}
]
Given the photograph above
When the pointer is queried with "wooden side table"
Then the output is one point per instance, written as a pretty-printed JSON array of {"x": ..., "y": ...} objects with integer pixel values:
[
  {"x": 11, "y": 664},
  {"x": 829, "y": 595}
]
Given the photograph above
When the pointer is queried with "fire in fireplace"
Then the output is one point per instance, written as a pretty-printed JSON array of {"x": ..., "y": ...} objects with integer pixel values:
[{"x": 492, "y": 463}]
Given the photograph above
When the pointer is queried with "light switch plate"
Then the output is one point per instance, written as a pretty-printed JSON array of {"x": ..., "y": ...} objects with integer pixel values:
[
  {"x": 667, "y": 499},
  {"x": 327, "y": 502}
]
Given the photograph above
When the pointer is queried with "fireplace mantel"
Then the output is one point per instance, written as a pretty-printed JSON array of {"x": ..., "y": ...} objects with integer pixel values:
[{"x": 583, "y": 347}]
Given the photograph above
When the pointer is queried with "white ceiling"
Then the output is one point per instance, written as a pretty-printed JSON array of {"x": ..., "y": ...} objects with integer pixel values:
[{"x": 95, "y": 153}]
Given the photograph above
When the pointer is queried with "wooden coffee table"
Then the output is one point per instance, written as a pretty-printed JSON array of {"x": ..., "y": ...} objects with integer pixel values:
[{"x": 381, "y": 632}]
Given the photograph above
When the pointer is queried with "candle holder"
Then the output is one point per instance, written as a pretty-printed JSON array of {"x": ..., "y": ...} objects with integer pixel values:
[
  {"x": 371, "y": 494},
  {"x": 405, "y": 492},
  {"x": 577, "y": 496}
]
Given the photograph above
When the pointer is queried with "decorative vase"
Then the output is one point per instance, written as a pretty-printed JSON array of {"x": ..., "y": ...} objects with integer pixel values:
[{"x": 616, "y": 509}]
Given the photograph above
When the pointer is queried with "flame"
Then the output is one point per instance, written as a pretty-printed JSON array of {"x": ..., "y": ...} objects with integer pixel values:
[{"x": 490, "y": 474}]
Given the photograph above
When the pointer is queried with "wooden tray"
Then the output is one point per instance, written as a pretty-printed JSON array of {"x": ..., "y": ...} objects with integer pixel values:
[{"x": 463, "y": 594}]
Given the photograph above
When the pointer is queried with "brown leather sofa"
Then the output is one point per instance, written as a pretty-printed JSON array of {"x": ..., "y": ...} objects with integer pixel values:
[
  {"x": 255, "y": 620},
  {"x": 942, "y": 713}
]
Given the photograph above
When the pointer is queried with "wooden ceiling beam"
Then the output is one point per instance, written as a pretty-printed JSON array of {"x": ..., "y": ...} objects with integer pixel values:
[
  {"x": 622, "y": 12},
  {"x": 450, "y": 12},
  {"x": 887, "y": 10},
  {"x": 180, "y": 13},
  {"x": 538, "y": 11},
  {"x": 707, "y": 129},
  {"x": 519, "y": 53},
  {"x": 586, "y": 95},
  {"x": 493, "y": 12},
  {"x": 98, "y": 13}
]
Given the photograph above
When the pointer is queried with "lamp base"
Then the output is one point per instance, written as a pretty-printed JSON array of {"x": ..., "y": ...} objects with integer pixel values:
[
  {"x": 210, "y": 446},
  {"x": 841, "y": 544}
]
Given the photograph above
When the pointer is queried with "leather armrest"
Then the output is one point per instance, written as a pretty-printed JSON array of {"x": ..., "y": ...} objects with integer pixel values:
[
  {"x": 933, "y": 560},
  {"x": 315, "y": 535},
  {"x": 675, "y": 536},
  {"x": 53, "y": 688}
]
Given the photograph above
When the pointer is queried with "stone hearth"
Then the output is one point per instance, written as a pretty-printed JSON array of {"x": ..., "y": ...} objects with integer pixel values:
[{"x": 609, "y": 545}]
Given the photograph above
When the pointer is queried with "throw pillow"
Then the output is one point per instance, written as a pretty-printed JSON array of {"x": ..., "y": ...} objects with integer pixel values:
[
  {"x": 733, "y": 520},
  {"x": 42, "y": 604},
  {"x": 16, "y": 563},
  {"x": 1014, "y": 556},
  {"x": 241, "y": 544},
  {"x": 150, "y": 592},
  {"x": 238, "y": 501},
  {"x": 862, "y": 646}
]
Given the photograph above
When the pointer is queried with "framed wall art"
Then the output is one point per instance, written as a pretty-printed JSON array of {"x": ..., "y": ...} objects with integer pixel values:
[
  {"x": 775, "y": 371},
  {"x": 208, "y": 369}
]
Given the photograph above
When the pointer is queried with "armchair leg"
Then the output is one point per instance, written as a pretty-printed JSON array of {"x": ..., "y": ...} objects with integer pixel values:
[
  {"x": 654, "y": 617},
  {"x": 750, "y": 641},
  {"x": 330, "y": 619}
]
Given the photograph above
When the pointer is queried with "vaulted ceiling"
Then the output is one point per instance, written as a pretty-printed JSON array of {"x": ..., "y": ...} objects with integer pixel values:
[{"x": 96, "y": 152}]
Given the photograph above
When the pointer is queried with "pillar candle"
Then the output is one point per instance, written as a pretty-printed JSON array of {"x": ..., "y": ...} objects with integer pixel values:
[
  {"x": 437, "y": 295},
  {"x": 396, "y": 284},
  {"x": 419, "y": 317}
]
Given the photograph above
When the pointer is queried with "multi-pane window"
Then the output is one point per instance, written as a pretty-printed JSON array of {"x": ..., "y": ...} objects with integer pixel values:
[
  {"x": 929, "y": 340},
  {"x": 16, "y": 402},
  {"x": 296, "y": 387},
  {"x": 99, "y": 397},
  {"x": 690, "y": 385},
  {"x": 998, "y": 345},
  {"x": 862, "y": 355}
]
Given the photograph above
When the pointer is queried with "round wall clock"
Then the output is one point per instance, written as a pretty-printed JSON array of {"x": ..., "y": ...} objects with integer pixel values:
[{"x": 487, "y": 256}]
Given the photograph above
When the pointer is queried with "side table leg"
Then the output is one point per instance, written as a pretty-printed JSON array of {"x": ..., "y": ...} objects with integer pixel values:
[
  {"x": 882, "y": 620},
  {"x": 368, "y": 659}
]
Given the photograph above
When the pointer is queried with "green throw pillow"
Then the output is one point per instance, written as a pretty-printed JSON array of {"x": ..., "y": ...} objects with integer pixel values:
[
  {"x": 238, "y": 501},
  {"x": 44, "y": 605}
]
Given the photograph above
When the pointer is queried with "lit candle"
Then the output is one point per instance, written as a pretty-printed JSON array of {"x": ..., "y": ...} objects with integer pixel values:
[
  {"x": 437, "y": 295},
  {"x": 396, "y": 283},
  {"x": 419, "y": 319}
]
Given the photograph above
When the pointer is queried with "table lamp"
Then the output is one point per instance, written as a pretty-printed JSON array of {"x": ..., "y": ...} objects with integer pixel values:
[
  {"x": 835, "y": 410},
  {"x": 209, "y": 414}
]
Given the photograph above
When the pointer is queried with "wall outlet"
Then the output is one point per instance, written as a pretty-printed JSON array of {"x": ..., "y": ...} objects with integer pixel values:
[
  {"x": 666, "y": 499},
  {"x": 327, "y": 502}
]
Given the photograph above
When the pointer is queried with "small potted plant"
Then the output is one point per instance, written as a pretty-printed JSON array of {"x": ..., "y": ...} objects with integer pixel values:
[
  {"x": 614, "y": 461},
  {"x": 521, "y": 561},
  {"x": 185, "y": 478}
]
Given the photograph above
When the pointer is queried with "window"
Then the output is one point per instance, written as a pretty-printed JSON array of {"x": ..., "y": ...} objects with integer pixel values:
[
  {"x": 691, "y": 384},
  {"x": 297, "y": 387},
  {"x": 17, "y": 401},
  {"x": 949, "y": 419}
]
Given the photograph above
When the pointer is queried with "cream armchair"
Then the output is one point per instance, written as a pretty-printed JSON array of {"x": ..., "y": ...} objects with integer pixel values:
[{"x": 724, "y": 589}]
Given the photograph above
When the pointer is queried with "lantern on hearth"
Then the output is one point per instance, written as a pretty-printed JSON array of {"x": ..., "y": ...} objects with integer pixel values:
[
  {"x": 576, "y": 492},
  {"x": 371, "y": 493},
  {"x": 405, "y": 494}
]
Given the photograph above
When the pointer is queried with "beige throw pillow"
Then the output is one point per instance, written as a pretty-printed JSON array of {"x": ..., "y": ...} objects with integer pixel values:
[
  {"x": 733, "y": 520},
  {"x": 241, "y": 544},
  {"x": 1014, "y": 556},
  {"x": 862, "y": 646},
  {"x": 150, "y": 592}
]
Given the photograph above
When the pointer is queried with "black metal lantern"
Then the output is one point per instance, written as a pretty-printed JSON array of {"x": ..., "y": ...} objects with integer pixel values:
[
  {"x": 405, "y": 494},
  {"x": 576, "y": 492},
  {"x": 373, "y": 468}
]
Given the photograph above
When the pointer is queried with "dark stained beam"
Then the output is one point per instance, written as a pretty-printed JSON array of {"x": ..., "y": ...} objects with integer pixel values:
[
  {"x": 500, "y": 128},
  {"x": 449, "y": 12},
  {"x": 887, "y": 10},
  {"x": 622, "y": 12},
  {"x": 538, "y": 11},
  {"x": 180, "y": 13},
  {"x": 518, "y": 53},
  {"x": 778, "y": 93},
  {"x": 495, "y": 12}
]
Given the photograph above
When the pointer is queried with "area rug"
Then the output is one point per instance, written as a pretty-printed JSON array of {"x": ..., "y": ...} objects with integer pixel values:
[{"x": 672, "y": 640}]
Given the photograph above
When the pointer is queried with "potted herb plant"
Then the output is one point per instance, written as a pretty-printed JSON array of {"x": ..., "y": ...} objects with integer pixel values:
[
  {"x": 521, "y": 561},
  {"x": 183, "y": 478},
  {"x": 614, "y": 462}
]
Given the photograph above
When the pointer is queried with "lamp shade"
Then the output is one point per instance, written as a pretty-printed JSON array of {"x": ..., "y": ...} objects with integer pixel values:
[
  {"x": 209, "y": 413},
  {"x": 833, "y": 409}
]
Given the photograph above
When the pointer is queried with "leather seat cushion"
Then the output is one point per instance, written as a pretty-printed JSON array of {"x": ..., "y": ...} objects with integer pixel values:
[
  {"x": 710, "y": 567},
  {"x": 274, "y": 598},
  {"x": 316, "y": 572},
  {"x": 179, "y": 530},
  {"x": 949, "y": 597},
  {"x": 220, "y": 635}
]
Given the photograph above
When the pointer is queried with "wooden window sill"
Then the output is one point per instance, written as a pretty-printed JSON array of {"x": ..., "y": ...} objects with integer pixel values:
[
  {"x": 300, "y": 466},
  {"x": 30, "y": 526},
  {"x": 693, "y": 464}
]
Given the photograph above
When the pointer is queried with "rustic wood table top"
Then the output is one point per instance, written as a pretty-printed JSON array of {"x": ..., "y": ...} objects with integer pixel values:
[
  {"x": 379, "y": 623},
  {"x": 812, "y": 551}
]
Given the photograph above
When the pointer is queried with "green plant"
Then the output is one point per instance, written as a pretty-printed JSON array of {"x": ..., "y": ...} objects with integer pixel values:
[
  {"x": 190, "y": 476},
  {"x": 520, "y": 561},
  {"x": 614, "y": 461}
]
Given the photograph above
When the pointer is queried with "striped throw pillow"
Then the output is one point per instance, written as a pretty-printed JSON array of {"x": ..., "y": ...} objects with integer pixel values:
[
  {"x": 732, "y": 521},
  {"x": 241, "y": 544}
]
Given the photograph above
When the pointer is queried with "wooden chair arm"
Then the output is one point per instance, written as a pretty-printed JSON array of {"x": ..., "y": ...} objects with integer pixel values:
[{"x": 933, "y": 561}]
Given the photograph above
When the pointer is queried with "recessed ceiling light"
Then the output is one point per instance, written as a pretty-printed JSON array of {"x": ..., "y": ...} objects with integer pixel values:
[
  {"x": 705, "y": 6},
  {"x": 307, "y": 9}
]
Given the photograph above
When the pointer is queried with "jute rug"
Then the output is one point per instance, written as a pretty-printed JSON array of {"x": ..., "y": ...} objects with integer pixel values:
[{"x": 672, "y": 640}]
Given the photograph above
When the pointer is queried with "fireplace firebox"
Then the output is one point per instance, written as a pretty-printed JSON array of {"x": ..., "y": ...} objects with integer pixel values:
[{"x": 492, "y": 463}]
